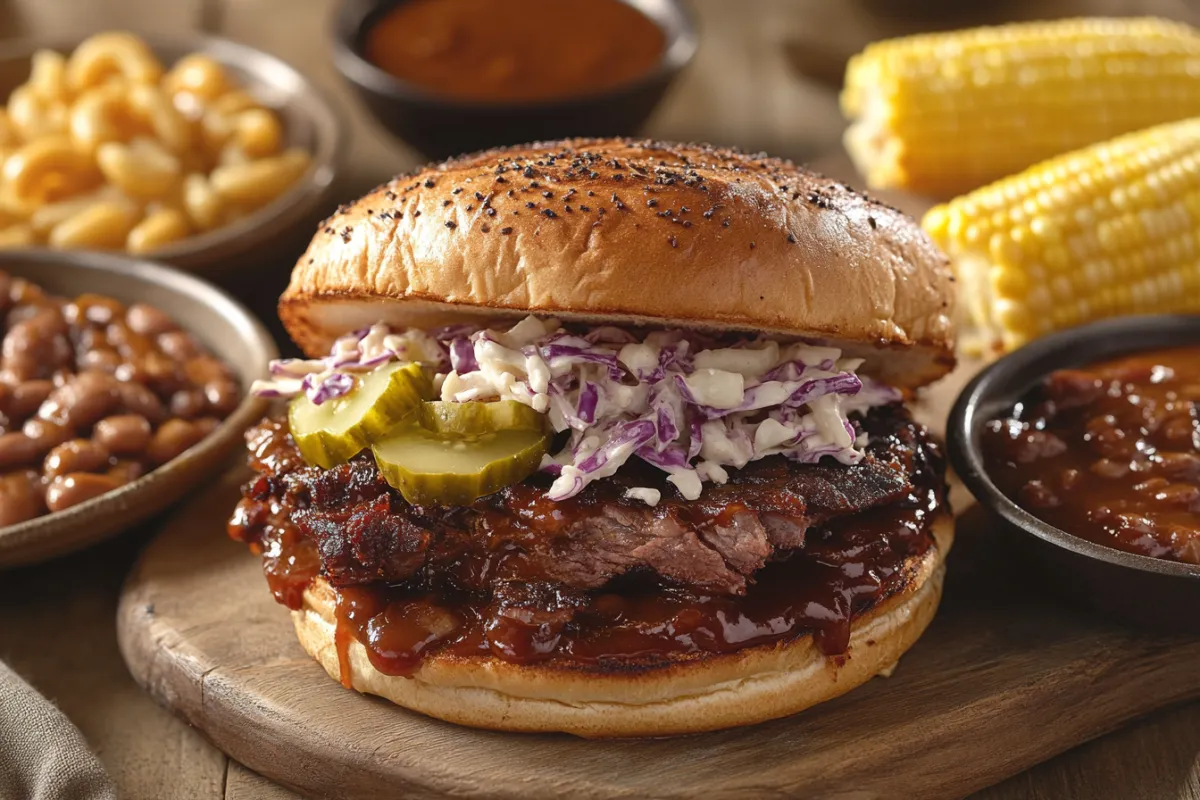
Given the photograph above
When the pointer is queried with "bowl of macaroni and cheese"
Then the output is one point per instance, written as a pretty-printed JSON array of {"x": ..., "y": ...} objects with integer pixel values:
[{"x": 199, "y": 152}]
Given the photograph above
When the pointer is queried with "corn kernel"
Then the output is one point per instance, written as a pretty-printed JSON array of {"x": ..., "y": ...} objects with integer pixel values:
[{"x": 1111, "y": 229}]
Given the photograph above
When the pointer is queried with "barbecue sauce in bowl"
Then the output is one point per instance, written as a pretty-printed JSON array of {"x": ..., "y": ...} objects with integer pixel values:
[
  {"x": 515, "y": 51},
  {"x": 1109, "y": 453}
]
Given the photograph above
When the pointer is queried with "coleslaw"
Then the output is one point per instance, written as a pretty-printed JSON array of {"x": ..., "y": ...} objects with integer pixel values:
[{"x": 686, "y": 403}]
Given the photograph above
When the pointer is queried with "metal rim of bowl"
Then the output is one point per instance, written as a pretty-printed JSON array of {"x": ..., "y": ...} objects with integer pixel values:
[
  {"x": 294, "y": 204},
  {"x": 248, "y": 411},
  {"x": 975, "y": 404},
  {"x": 351, "y": 17}
]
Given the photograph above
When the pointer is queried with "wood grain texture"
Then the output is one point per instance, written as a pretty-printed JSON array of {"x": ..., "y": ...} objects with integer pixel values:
[
  {"x": 1003, "y": 679},
  {"x": 56, "y": 620},
  {"x": 242, "y": 784},
  {"x": 56, "y": 631}
]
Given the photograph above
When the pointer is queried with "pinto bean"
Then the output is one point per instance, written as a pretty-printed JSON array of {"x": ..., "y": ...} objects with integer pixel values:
[
  {"x": 69, "y": 490},
  {"x": 93, "y": 309},
  {"x": 162, "y": 372},
  {"x": 129, "y": 344},
  {"x": 23, "y": 293},
  {"x": 202, "y": 370},
  {"x": 126, "y": 471},
  {"x": 45, "y": 434},
  {"x": 6, "y": 282},
  {"x": 93, "y": 393},
  {"x": 82, "y": 401},
  {"x": 179, "y": 345},
  {"x": 222, "y": 396},
  {"x": 76, "y": 455},
  {"x": 148, "y": 320},
  {"x": 18, "y": 450},
  {"x": 101, "y": 359},
  {"x": 171, "y": 439},
  {"x": 27, "y": 397},
  {"x": 20, "y": 497},
  {"x": 35, "y": 347},
  {"x": 137, "y": 399},
  {"x": 123, "y": 435},
  {"x": 188, "y": 403}
]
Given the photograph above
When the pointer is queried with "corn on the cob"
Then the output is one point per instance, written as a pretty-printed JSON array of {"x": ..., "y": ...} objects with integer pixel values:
[
  {"x": 942, "y": 114},
  {"x": 1108, "y": 230}
]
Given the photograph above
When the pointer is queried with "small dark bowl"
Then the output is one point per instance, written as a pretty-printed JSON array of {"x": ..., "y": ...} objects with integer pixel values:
[
  {"x": 439, "y": 127},
  {"x": 1146, "y": 591}
]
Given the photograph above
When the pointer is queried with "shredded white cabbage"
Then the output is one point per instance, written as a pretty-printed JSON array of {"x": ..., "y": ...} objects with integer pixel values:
[{"x": 688, "y": 404}]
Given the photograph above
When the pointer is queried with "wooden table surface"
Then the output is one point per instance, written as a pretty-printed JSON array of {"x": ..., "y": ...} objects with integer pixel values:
[{"x": 57, "y": 620}]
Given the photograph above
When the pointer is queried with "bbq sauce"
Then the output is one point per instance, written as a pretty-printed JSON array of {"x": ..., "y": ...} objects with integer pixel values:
[
  {"x": 846, "y": 568},
  {"x": 495, "y": 602},
  {"x": 1109, "y": 453},
  {"x": 290, "y": 561},
  {"x": 515, "y": 51}
]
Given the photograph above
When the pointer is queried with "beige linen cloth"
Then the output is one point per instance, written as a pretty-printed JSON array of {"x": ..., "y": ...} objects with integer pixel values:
[{"x": 42, "y": 755}]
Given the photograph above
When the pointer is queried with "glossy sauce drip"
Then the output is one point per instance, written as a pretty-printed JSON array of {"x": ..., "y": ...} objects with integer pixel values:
[
  {"x": 1110, "y": 453},
  {"x": 847, "y": 567},
  {"x": 290, "y": 561},
  {"x": 515, "y": 50}
]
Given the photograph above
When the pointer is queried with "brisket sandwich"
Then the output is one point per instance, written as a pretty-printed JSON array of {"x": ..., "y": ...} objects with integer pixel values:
[{"x": 607, "y": 437}]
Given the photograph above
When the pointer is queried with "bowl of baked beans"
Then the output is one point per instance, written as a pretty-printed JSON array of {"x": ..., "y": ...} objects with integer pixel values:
[
  {"x": 1086, "y": 444},
  {"x": 199, "y": 152},
  {"x": 122, "y": 385}
]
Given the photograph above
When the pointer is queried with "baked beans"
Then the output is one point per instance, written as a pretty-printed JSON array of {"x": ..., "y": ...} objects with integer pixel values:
[
  {"x": 94, "y": 394},
  {"x": 1109, "y": 452}
]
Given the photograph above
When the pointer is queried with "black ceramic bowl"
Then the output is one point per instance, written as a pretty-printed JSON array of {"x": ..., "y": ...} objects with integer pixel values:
[
  {"x": 1145, "y": 591},
  {"x": 438, "y": 127}
]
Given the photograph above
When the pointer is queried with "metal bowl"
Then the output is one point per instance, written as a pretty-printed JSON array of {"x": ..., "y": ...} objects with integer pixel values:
[
  {"x": 310, "y": 121},
  {"x": 229, "y": 332},
  {"x": 1143, "y": 590},
  {"x": 440, "y": 127}
]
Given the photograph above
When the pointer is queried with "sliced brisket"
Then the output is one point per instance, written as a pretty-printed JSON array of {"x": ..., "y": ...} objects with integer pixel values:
[{"x": 366, "y": 532}]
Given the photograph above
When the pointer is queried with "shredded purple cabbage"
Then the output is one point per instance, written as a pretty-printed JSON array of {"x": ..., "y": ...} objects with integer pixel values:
[
  {"x": 462, "y": 356},
  {"x": 624, "y": 394},
  {"x": 589, "y": 396}
]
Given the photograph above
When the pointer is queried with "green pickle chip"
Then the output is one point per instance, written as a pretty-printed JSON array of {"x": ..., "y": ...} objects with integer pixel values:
[
  {"x": 337, "y": 430},
  {"x": 456, "y": 453}
]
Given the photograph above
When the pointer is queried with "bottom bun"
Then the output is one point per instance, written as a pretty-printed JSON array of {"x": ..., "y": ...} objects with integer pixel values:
[{"x": 701, "y": 693}]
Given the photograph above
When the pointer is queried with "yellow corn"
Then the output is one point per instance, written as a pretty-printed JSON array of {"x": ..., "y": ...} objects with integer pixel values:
[
  {"x": 1108, "y": 230},
  {"x": 945, "y": 113}
]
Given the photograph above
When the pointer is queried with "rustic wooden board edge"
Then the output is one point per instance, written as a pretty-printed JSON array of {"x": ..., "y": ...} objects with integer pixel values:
[{"x": 1097, "y": 691}]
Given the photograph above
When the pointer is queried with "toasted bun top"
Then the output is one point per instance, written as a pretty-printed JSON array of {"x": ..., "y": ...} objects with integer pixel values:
[{"x": 633, "y": 233}]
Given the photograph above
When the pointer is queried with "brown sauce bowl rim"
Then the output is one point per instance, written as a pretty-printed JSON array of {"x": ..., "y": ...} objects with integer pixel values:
[
  {"x": 998, "y": 386},
  {"x": 354, "y": 18}
]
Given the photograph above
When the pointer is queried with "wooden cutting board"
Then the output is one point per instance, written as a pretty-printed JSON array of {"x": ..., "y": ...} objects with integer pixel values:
[{"x": 1004, "y": 678}]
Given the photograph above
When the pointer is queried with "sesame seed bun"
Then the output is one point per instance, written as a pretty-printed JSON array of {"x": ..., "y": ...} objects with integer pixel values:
[
  {"x": 701, "y": 692},
  {"x": 632, "y": 233}
]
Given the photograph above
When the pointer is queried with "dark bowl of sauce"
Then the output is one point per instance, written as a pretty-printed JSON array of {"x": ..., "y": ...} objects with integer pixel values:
[
  {"x": 454, "y": 76},
  {"x": 1087, "y": 445}
]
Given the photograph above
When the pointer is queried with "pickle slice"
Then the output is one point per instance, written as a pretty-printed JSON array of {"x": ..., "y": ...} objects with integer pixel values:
[
  {"x": 474, "y": 418},
  {"x": 335, "y": 431},
  {"x": 462, "y": 451}
]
